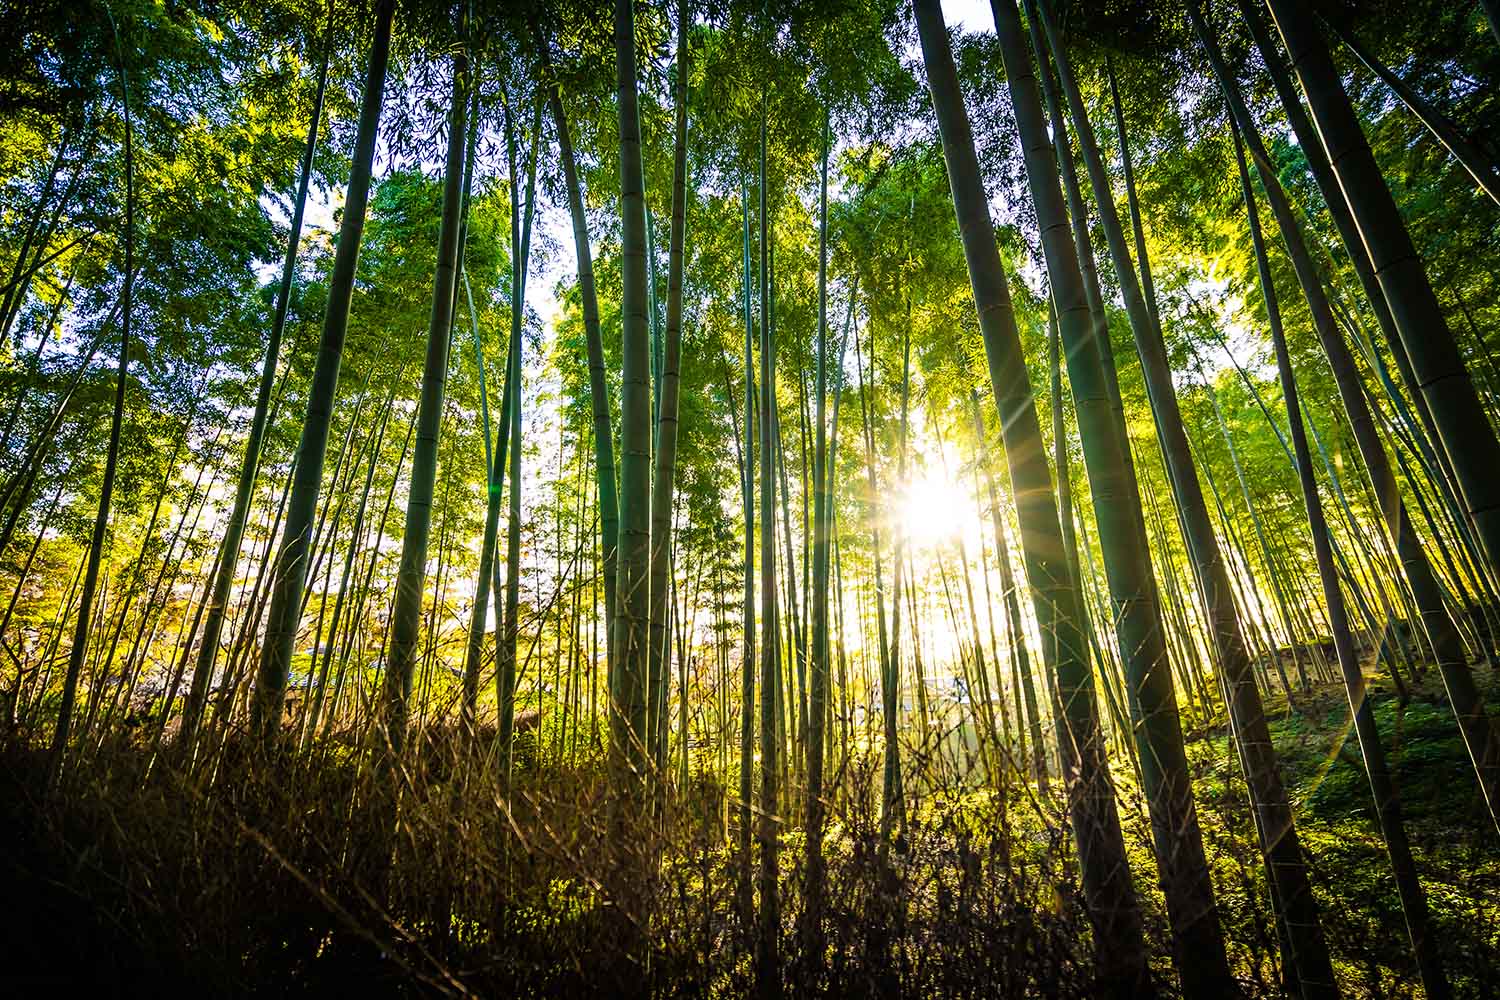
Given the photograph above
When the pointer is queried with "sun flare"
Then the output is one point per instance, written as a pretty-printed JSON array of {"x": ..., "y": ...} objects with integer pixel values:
[{"x": 934, "y": 510}]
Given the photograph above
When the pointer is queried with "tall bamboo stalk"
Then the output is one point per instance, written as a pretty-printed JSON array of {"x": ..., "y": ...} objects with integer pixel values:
[
  {"x": 630, "y": 641},
  {"x": 1113, "y": 907},
  {"x": 1437, "y": 368},
  {"x": 665, "y": 452},
  {"x": 1198, "y": 942},
  {"x": 290, "y": 573},
  {"x": 112, "y": 456},
  {"x": 1387, "y": 806},
  {"x": 407, "y": 612},
  {"x": 229, "y": 546},
  {"x": 1479, "y": 733}
]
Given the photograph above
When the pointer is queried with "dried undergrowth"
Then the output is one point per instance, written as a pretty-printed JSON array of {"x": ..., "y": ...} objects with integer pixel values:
[{"x": 142, "y": 876}]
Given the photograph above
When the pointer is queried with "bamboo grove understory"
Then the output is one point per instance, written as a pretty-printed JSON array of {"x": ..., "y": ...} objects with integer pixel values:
[{"x": 884, "y": 497}]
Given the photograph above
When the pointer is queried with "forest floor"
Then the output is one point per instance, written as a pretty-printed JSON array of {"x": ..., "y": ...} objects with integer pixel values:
[
  {"x": 1456, "y": 849},
  {"x": 122, "y": 885}
]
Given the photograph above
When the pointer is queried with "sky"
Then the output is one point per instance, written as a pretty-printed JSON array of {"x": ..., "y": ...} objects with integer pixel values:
[{"x": 971, "y": 15}]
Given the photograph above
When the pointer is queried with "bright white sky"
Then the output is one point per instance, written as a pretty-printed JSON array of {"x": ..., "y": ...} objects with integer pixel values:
[{"x": 971, "y": 15}]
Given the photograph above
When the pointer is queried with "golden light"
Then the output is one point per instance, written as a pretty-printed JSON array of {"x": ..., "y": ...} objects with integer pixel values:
[{"x": 934, "y": 510}]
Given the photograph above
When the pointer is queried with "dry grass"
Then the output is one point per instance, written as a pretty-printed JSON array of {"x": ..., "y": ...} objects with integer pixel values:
[{"x": 293, "y": 878}]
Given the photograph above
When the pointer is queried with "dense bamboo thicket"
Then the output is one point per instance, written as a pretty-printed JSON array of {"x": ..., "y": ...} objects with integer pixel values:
[{"x": 888, "y": 497}]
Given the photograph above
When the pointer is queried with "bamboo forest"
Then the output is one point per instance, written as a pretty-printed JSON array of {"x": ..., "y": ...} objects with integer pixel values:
[{"x": 793, "y": 498}]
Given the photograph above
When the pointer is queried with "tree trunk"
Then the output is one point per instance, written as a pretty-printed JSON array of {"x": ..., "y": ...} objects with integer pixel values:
[
  {"x": 1437, "y": 367},
  {"x": 234, "y": 531},
  {"x": 767, "y": 960},
  {"x": 508, "y": 625},
  {"x": 665, "y": 454},
  {"x": 812, "y": 943},
  {"x": 1387, "y": 806},
  {"x": 356, "y": 532},
  {"x": 1464, "y": 149},
  {"x": 290, "y": 572},
  {"x": 1479, "y": 734},
  {"x": 747, "y": 661},
  {"x": 1310, "y": 958},
  {"x": 112, "y": 457},
  {"x": 893, "y": 805},
  {"x": 627, "y": 687},
  {"x": 1027, "y": 711},
  {"x": 1359, "y": 257},
  {"x": 604, "y": 456},
  {"x": 16, "y": 495},
  {"x": 1113, "y": 907},
  {"x": 1198, "y": 942},
  {"x": 479, "y": 611},
  {"x": 406, "y": 615},
  {"x": 15, "y": 288}
]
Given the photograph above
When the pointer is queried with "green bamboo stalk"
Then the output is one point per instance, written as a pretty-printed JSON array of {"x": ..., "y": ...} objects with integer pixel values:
[
  {"x": 290, "y": 573},
  {"x": 407, "y": 613},
  {"x": 1387, "y": 806},
  {"x": 1113, "y": 907},
  {"x": 1437, "y": 367}
]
